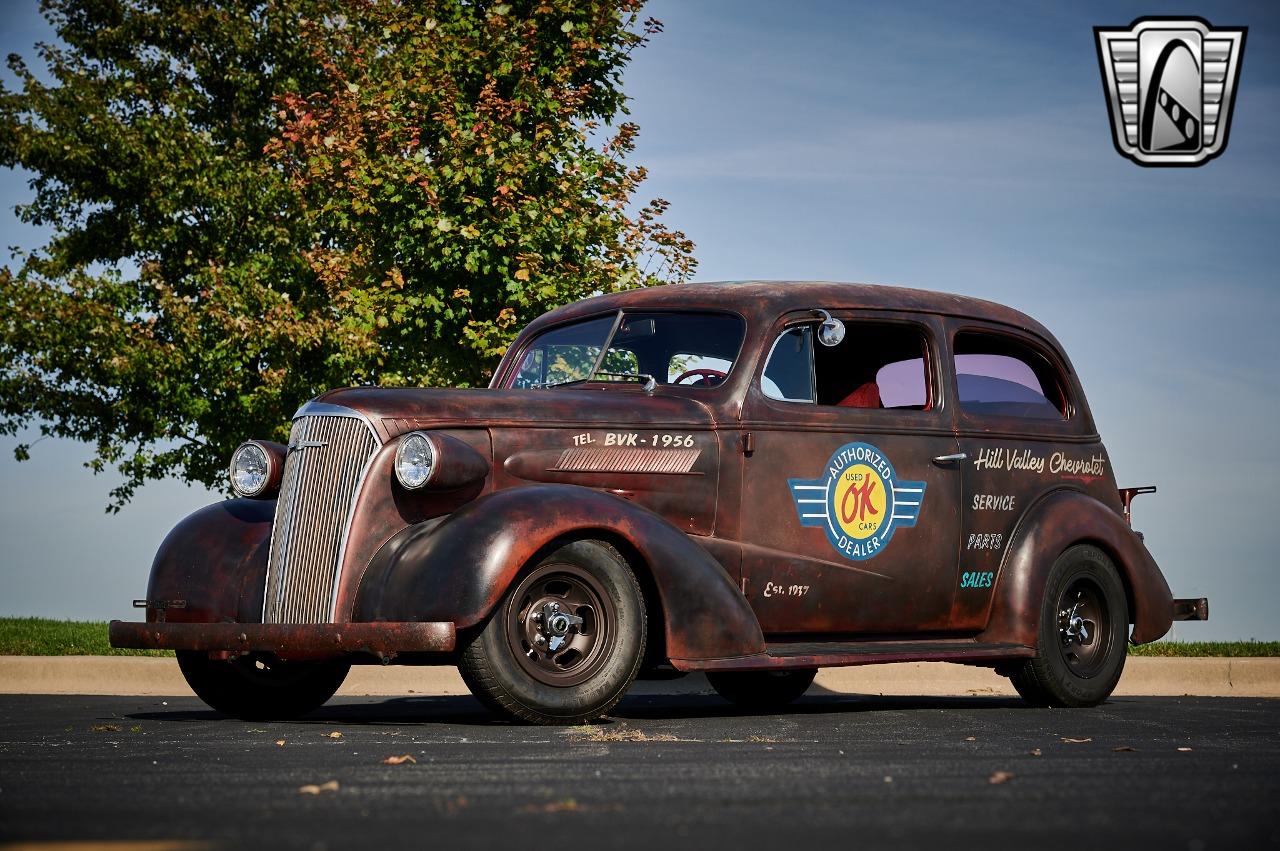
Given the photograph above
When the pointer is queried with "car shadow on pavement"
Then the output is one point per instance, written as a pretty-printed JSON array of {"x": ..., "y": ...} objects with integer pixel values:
[
  {"x": 460, "y": 709},
  {"x": 466, "y": 710},
  {"x": 817, "y": 701}
]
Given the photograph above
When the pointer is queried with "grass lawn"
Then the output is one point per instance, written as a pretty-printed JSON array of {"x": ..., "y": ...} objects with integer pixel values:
[
  {"x": 44, "y": 637},
  {"x": 1207, "y": 648}
]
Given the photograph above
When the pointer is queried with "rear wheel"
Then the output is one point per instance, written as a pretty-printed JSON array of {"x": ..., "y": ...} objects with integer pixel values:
[
  {"x": 261, "y": 689},
  {"x": 566, "y": 641},
  {"x": 762, "y": 689},
  {"x": 1084, "y": 620}
]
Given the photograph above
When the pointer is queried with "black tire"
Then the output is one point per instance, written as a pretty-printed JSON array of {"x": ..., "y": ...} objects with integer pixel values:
[
  {"x": 261, "y": 689},
  {"x": 1081, "y": 642},
  {"x": 762, "y": 689},
  {"x": 512, "y": 665}
]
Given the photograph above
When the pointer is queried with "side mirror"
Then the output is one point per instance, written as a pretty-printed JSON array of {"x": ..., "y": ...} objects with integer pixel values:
[{"x": 831, "y": 332}]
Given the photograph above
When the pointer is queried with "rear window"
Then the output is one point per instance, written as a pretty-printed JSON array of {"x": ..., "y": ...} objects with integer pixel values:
[{"x": 997, "y": 376}]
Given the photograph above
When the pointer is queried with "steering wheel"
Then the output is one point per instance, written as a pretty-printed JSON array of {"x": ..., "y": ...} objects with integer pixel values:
[{"x": 703, "y": 373}]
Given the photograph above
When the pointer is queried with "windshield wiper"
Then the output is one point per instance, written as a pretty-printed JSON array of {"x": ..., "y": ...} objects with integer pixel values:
[
  {"x": 549, "y": 384},
  {"x": 649, "y": 381}
]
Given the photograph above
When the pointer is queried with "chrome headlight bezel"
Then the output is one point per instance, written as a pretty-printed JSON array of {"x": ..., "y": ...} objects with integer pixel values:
[
  {"x": 411, "y": 473},
  {"x": 263, "y": 461}
]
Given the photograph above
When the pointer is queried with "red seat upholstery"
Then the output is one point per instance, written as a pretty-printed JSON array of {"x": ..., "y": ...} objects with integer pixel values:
[{"x": 866, "y": 396}]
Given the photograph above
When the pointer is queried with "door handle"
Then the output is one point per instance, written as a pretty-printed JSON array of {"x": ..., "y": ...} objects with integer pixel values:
[{"x": 950, "y": 459}]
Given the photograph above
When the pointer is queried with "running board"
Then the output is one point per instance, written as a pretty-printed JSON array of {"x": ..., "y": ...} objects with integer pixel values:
[{"x": 831, "y": 654}]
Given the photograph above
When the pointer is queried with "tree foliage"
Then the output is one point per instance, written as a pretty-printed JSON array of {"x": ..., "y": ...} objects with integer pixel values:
[{"x": 252, "y": 202}]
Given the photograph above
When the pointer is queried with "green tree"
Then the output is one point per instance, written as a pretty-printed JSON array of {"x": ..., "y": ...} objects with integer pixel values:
[{"x": 253, "y": 202}]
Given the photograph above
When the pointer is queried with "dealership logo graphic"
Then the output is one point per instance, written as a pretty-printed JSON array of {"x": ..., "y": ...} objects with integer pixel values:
[
  {"x": 1170, "y": 85},
  {"x": 858, "y": 501}
]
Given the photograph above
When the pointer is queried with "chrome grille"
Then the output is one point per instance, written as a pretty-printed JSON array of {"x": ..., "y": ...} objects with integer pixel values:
[{"x": 327, "y": 458}]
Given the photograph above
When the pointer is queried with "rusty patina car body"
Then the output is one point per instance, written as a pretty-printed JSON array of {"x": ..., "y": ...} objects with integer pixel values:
[{"x": 767, "y": 529}]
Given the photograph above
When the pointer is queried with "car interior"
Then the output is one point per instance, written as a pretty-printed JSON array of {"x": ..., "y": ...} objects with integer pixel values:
[{"x": 876, "y": 365}]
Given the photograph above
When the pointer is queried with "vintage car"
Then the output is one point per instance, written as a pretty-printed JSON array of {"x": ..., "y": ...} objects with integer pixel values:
[{"x": 749, "y": 479}]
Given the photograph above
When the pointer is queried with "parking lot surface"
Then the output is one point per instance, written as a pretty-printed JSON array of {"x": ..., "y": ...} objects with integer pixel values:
[{"x": 663, "y": 771}]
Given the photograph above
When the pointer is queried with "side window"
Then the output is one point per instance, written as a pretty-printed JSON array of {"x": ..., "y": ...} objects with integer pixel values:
[
  {"x": 1001, "y": 377},
  {"x": 902, "y": 384},
  {"x": 877, "y": 365},
  {"x": 788, "y": 376}
]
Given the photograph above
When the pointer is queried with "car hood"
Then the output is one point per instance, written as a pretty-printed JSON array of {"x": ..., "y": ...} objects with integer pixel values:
[{"x": 396, "y": 410}]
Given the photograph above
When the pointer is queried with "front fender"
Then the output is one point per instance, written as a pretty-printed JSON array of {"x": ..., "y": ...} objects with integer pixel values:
[
  {"x": 457, "y": 569},
  {"x": 215, "y": 560},
  {"x": 1056, "y": 522}
]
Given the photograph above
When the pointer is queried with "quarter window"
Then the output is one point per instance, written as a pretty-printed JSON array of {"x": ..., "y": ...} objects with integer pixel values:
[
  {"x": 788, "y": 376},
  {"x": 1001, "y": 377}
]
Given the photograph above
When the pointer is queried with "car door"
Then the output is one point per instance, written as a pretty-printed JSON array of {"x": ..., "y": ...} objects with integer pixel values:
[
  {"x": 1021, "y": 436},
  {"x": 849, "y": 507}
]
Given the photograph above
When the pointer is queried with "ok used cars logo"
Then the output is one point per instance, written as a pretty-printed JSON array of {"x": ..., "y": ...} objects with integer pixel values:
[{"x": 859, "y": 501}]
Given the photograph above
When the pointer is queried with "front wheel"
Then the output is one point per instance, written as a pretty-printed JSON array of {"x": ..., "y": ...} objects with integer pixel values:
[
  {"x": 762, "y": 689},
  {"x": 565, "y": 642},
  {"x": 261, "y": 689},
  {"x": 1084, "y": 620}
]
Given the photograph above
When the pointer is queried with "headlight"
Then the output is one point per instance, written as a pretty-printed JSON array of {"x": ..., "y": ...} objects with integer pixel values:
[
  {"x": 250, "y": 470},
  {"x": 415, "y": 460}
]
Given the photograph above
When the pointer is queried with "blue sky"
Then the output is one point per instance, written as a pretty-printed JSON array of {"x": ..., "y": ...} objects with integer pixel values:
[{"x": 958, "y": 147}]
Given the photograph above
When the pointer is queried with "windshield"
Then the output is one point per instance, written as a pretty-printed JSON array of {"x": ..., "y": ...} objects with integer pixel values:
[{"x": 689, "y": 349}]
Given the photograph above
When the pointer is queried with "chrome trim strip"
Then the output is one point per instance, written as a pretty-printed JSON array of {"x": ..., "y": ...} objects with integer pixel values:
[{"x": 325, "y": 409}]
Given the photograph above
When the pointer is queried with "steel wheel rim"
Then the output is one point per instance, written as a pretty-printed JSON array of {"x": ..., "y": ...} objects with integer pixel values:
[
  {"x": 1084, "y": 628},
  {"x": 532, "y": 631}
]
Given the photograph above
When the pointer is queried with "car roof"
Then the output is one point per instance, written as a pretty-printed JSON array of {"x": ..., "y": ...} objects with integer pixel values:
[{"x": 763, "y": 300}]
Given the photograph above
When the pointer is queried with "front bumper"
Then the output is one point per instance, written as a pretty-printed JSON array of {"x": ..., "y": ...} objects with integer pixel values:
[{"x": 310, "y": 640}]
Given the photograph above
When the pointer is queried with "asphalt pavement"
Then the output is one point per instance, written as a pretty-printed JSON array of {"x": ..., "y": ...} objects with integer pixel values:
[{"x": 663, "y": 772}]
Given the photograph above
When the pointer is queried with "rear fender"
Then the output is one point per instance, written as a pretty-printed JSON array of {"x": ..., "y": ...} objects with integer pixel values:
[
  {"x": 215, "y": 561},
  {"x": 457, "y": 568},
  {"x": 1059, "y": 520}
]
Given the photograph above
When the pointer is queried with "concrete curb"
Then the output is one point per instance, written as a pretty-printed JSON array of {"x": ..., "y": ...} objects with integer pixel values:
[{"x": 125, "y": 675}]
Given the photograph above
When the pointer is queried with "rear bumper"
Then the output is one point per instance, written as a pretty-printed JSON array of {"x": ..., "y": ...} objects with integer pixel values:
[
  {"x": 381, "y": 639},
  {"x": 1194, "y": 609}
]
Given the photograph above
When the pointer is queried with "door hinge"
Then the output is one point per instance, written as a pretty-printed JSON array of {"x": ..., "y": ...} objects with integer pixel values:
[{"x": 748, "y": 444}]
